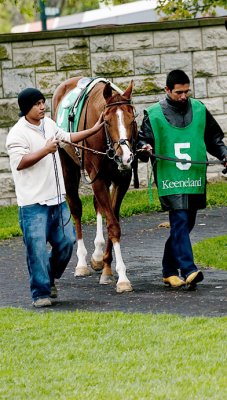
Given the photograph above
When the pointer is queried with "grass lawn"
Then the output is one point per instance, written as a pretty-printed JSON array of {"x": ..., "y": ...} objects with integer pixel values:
[
  {"x": 211, "y": 252},
  {"x": 116, "y": 356}
]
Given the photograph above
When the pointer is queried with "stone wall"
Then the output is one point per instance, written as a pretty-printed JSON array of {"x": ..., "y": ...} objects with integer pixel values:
[{"x": 142, "y": 52}]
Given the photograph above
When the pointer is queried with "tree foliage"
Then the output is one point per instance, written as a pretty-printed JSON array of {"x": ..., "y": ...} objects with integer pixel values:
[
  {"x": 15, "y": 12},
  {"x": 182, "y": 9}
]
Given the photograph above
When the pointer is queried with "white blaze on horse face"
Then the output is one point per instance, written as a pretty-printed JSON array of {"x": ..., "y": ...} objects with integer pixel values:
[{"x": 127, "y": 155}]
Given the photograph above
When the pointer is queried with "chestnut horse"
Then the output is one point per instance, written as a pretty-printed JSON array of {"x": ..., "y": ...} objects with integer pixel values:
[{"x": 107, "y": 158}]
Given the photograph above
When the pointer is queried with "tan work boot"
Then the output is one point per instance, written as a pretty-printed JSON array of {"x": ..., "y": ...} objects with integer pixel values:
[
  {"x": 42, "y": 302},
  {"x": 174, "y": 281},
  {"x": 194, "y": 278}
]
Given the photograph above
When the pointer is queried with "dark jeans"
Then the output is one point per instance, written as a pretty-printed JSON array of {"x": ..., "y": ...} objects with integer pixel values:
[
  {"x": 41, "y": 224},
  {"x": 178, "y": 249}
]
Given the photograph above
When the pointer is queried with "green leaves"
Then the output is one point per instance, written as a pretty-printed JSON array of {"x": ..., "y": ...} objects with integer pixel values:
[{"x": 183, "y": 9}]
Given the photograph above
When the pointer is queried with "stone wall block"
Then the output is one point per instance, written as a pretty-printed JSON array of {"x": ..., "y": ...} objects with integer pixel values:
[
  {"x": 50, "y": 42},
  {"x": 78, "y": 43},
  {"x": 222, "y": 65},
  {"x": 3, "y": 135},
  {"x": 7, "y": 64},
  {"x": 23, "y": 44},
  {"x": 222, "y": 121},
  {"x": 4, "y": 165},
  {"x": 72, "y": 59},
  {"x": 8, "y": 112},
  {"x": 101, "y": 43},
  {"x": 200, "y": 88},
  {"x": 144, "y": 85},
  {"x": 155, "y": 51},
  {"x": 144, "y": 173},
  {"x": 78, "y": 72},
  {"x": 176, "y": 61},
  {"x": 48, "y": 82},
  {"x": 221, "y": 53},
  {"x": 5, "y": 52},
  {"x": 45, "y": 69},
  {"x": 225, "y": 104},
  {"x": 214, "y": 38},
  {"x": 215, "y": 105},
  {"x": 190, "y": 40},
  {"x": 166, "y": 38},
  {"x": 113, "y": 64},
  {"x": 34, "y": 56},
  {"x": 127, "y": 41},
  {"x": 7, "y": 188},
  {"x": 205, "y": 63},
  {"x": 15, "y": 80},
  {"x": 217, "y": 86},
  {"x": 147, "y": 65},
  {"x": 62, "y": 47}
]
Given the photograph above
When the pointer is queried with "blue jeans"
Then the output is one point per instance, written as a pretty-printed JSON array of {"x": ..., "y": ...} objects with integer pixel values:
[
  {"x": 41, "y": 224},
  {"x": 178, "y": 249}
]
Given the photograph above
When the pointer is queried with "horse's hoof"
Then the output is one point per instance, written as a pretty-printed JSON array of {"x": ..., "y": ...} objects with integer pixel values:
[
  {"x": 107, "y": 280},
  {"x": 96, "y": 265},
  {"x": 124, "y": 287},
  {"x": 82, "y": 271}
]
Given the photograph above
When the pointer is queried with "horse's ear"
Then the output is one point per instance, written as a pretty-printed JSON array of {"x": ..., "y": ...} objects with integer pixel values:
[
  {"x": 107, "y": 91},
  {"x": 128, "y": 92}
]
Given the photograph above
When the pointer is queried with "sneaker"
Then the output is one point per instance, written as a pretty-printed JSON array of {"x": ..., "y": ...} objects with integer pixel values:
[
  {"x": 42, "y": 302},
  {"x": 174, "y": 281},
  {"x": 194, "y": 278},
  {"x": 53, "y": 292}
]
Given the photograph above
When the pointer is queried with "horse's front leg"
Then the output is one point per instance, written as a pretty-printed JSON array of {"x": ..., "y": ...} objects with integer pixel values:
[
  {"x": 114, "y": 234},
  {"x": 97, "y": 256},
  {"x": 123, "y": 283},
  {"x": 118, "y": 193}
]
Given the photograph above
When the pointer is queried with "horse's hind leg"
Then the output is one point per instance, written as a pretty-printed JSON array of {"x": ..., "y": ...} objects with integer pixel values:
[
  {"x": 71, "y": 172},
  {"x": 110, "y": 208}
]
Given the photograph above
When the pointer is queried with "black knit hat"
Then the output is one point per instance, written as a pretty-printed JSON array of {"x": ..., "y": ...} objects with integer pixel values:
[{"x": 27, "y": 99}]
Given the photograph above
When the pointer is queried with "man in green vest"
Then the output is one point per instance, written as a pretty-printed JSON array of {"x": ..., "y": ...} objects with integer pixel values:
[{"x": 180, "y": 127}]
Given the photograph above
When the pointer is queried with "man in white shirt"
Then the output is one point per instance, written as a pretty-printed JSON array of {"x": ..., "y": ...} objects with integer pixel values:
[{"x": 32, "y": 145}]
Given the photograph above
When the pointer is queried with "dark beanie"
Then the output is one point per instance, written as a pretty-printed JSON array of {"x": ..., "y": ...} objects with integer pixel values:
[{"x": 27, "y": 98}]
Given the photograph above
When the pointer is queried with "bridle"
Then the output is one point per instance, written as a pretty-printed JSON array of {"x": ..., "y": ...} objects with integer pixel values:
[{"x": 112, "y": 146}]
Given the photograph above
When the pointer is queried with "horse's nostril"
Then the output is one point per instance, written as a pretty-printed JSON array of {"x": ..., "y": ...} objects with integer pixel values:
[{"x": 130, "y": 159}]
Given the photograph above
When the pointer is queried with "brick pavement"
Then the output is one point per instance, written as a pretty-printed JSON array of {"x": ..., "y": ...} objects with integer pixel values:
[{"x": 142, "y": 247}]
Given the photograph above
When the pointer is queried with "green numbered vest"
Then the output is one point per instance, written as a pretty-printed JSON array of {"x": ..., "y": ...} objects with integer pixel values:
[{"x": 183, "y": 143}]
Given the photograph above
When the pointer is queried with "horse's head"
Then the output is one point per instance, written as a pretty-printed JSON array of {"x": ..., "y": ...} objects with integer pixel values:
[{"x": 120, "y": 126}]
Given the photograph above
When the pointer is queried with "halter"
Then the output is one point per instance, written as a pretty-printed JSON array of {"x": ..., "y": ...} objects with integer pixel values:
[{"x": 113, "y": 146}]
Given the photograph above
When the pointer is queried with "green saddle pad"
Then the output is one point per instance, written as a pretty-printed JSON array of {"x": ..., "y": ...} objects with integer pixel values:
[{"x": 74, "y": 100}]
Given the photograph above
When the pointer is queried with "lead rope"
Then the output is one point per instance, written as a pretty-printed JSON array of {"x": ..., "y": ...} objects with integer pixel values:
[{"x": 58, "y": 194}]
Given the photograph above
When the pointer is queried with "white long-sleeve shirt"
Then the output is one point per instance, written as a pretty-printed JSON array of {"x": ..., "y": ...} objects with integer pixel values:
[{"x": 35, "y": 184}]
